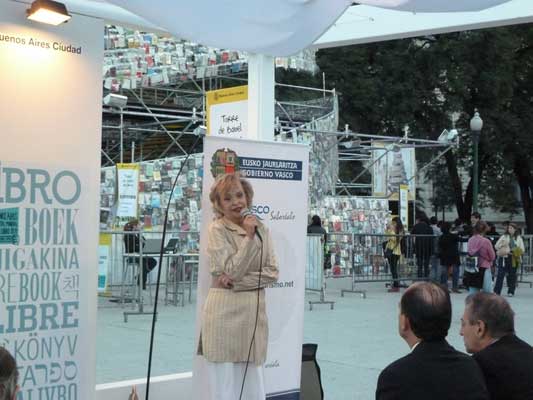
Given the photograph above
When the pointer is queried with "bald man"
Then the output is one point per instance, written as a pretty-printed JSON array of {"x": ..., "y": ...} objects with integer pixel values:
[
  {"x": 433, "y": 369},
  {"x": 488, "y": 331}
]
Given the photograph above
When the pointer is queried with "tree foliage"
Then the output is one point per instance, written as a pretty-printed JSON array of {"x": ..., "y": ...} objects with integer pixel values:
[{"x": 434, "y": 82}]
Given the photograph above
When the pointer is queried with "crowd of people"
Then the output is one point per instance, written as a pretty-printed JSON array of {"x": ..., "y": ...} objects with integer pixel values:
[{"x": 443, "y": 250}]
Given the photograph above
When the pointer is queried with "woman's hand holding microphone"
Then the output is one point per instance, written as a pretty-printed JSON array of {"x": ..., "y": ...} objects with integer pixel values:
[{"x": 249, "y": 223}]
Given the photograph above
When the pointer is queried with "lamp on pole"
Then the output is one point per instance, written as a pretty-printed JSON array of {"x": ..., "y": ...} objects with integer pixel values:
[{"x": 476, "y": 124}]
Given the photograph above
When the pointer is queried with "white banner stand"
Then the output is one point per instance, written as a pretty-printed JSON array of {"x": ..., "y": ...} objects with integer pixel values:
[
  {"x": 50, "y": 119},
  {"x": 279, "y": 177}
]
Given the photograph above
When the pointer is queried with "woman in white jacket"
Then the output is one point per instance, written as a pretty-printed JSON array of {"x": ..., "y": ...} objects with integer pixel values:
[{"x": 509, "y": 249}]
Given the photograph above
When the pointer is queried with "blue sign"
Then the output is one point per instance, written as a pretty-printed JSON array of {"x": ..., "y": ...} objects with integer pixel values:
[
  {"x": 9, "y": 226},
  {"x": 267, "y": 168}
]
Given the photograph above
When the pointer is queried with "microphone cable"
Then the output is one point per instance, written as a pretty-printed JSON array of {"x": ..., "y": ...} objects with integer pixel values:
[
  {"x": 256, "y": 312},
  {"x": 154, "y": 315}
]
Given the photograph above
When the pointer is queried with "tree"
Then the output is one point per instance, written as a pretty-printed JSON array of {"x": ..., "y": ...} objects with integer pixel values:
[
  {"x": 423, "y": 82},
  {"x": 442, "y": 197}
]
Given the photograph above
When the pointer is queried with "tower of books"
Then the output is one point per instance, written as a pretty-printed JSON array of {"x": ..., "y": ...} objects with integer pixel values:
[{"x": 397, "y": 174}]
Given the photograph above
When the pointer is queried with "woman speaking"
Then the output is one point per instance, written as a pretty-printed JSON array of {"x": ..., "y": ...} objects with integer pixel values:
[{"x": 234, "y": 330}]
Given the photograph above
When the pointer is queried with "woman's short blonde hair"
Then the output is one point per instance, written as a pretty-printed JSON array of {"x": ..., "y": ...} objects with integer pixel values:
[{"x": 222, "y": 185}]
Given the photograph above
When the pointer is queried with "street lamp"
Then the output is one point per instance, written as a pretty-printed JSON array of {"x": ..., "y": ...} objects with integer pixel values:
[{"x": 476, "y": 123}]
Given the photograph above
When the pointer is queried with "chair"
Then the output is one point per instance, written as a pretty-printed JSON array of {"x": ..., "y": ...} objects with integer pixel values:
[{"x": 311, "y": 383}]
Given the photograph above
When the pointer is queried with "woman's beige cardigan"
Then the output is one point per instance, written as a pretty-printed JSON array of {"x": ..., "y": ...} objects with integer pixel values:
[{"x": 229, "y": 315}]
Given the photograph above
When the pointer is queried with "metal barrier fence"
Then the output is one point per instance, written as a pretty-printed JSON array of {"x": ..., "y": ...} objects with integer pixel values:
[
  {"x": 370, "y": 258},
  {"x": 362, "y": 257},
  {"x": 387, "y": 258},
  {"x": 527, "y": 260},
  {"x": 314, "y": 272},
  {"x": 127, "y": 260}
]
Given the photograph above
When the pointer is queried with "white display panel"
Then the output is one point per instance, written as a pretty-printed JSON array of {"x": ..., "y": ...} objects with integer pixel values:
[
  {"x": 50, "y": 124},
  {"x": 278, "y": 173}
]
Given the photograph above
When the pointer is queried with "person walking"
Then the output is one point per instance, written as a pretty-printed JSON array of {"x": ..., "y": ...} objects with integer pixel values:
[
  {"x": 423, "y": 241},
  {"x": 316, "y": 226},
  {"x": 132, "y": 243},
  {"x": 393, "y": 250},
  {"x": 475, "y": 218},
  {"x": 481, "y": 248},
  {"x": 434, "y": 259},
  {"x": 492, "y": 234},
  {"x": 449, "y": 257},
  {"x": 509, "y": 249}
]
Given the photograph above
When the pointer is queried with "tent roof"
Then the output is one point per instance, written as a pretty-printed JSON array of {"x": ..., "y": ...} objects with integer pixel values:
[
  {"x": 365, "y": 24},
  {"x": 358, "y": 24}
]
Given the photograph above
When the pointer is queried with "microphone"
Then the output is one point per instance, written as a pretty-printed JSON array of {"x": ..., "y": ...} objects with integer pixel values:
[{"x": 244, "y": 213}]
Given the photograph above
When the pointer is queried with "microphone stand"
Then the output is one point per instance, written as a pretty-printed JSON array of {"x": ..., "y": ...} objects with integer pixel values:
[{"x": 154, "y": 315}]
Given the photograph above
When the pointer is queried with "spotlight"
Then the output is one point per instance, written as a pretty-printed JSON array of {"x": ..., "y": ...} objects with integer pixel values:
[
  {"x": 452, "y": 135},
  {"x": 353, "y": 141},
  {"x": 448, "y": 136},
  {"x": 48, "y": 12},
  {"x": 200, "y": 130},
  {"x": 277, "y": 125},
  {"x": 115, "y": 100},
  {"x": 393, "y": 147}
]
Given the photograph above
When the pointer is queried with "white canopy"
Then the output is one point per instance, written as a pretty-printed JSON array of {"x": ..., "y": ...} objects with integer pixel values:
[
  {"x": 283, "y": 27},
  {"x": 273, "y": 27},
  {"x": 432, "y": 6},
  {"x": 365, "y": 24}
]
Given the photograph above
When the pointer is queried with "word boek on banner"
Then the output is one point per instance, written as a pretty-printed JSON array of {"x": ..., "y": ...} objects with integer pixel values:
[{"x": 279, "y": 202}]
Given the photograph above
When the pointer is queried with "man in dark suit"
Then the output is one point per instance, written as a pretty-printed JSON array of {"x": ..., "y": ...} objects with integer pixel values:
[
  {"x": 433, "y": 369},
  {"x": 487, "y": 328}
]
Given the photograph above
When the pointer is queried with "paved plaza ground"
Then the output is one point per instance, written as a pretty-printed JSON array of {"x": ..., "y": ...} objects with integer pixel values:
[{"x": 356, "y": 340}]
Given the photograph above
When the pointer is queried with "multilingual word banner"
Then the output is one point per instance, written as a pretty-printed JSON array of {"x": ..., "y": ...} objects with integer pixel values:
[{"x": 49, "y": 187}]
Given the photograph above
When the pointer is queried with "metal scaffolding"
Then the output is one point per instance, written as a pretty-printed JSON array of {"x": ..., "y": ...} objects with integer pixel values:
[
  {"x": 354, "y": 146},
  {"x": 158, "y": 122}
]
